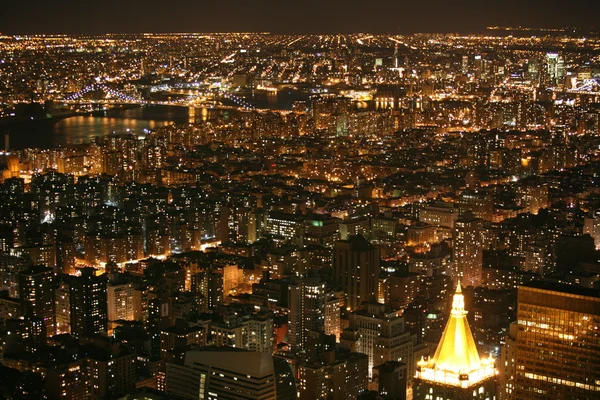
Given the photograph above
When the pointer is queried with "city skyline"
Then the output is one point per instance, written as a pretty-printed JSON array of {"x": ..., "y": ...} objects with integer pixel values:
[{"x": 273, "y": 216}]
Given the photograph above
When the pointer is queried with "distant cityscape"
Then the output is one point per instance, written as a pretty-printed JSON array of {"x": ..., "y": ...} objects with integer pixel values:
[{"x": 264, "y": 216}]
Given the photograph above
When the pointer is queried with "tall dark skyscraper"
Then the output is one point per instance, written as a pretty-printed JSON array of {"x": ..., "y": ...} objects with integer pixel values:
[
  {"x": 37, "y": 288},
  {"x": 88, "y": 303},
  {"x": 467, "y": 249},
  {"x": 356, "y": 270},
  {"x": 307, "y": 311}
]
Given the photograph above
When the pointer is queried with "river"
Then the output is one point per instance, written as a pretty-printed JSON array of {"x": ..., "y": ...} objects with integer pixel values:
[{"x": 82, "y": 129}]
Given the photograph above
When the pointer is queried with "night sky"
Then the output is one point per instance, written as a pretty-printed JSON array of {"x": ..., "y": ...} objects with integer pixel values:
[{"x": 289, "y": 16}]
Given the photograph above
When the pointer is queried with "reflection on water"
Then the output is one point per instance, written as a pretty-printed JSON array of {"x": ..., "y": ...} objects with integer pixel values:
[
  {"x": 78, "y": 130},
  {"x": 82, "y": 129}
]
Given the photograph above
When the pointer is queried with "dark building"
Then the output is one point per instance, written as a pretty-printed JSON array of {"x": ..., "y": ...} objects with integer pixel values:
[
  {"x": 88, "y": 303},
  {"x": 37, "y": 288},
  {"x": 392, "y": 380},
  {"x": 214, "y": 374},
  {"x": 356, "y": 270}
]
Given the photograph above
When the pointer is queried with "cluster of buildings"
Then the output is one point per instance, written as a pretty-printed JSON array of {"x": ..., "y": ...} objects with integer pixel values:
[{"x": 423, "y": 224}]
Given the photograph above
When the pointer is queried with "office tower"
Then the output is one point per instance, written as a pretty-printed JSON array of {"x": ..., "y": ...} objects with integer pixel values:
[
  {"x": 591, "y": 226},
  {"x": 356, "y": 270},
  {"x": 63, "y": 309},
  {"x": 232, "y": 276},
  {"x": 456, "y": 372},
  {"x": 506, "y": 364},
  {"x": 392, "y": 376},
  {"x": 250, "y": 332},
  {"x": 344, "y": 378},
  {"x": 464, "y": 64},
  {"x": 555, "y": 68},
  {"x": 479, "y": 203},
  {"x": 181, "y": 337},
  {"x": 440, "y": 215},
  {"x": 37, "y": 289},
  {"x": 467, "y": 250},
  {"x": 557, "y": 342},
  {"x": 87, "y": 300},
  {"x": 68, "y": 380},
  {"x": 124, "y": 302},
  {"x": 111, "y": 371},
  {"x": 379, "y": 332},
  {"x": 332, "y": 316},
  {"x": 228, "y": 374},
  {"x": 307, "y": 307},
  {"x": 210, "y": 284}
]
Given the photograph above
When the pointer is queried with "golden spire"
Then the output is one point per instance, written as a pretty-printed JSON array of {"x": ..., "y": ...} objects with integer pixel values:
[
  {"x": 456, "y": 360},
  {"x": 456, "y": 351}
]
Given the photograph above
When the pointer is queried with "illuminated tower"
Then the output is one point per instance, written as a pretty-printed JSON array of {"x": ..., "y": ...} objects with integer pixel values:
[{"x": 456, "y": 372}]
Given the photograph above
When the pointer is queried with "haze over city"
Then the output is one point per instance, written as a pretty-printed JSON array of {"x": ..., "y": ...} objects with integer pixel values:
[{"x": 311, "y": 16}]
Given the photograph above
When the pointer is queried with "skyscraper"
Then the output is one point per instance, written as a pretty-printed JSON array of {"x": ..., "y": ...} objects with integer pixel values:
[
  {"x": 124, "y": 302},
  {"x": 37, "y": 289},
  {"x": 557, "y": 342},
  {"x": 555, "y": 67},
  {"x": 380, "y": 333},
  {"x": 356, "y": 270},
  {"x": 87, "y": 300},
  {"x": 467, "y": 250},
  {"x": 307, "y": 311},
  {"x": 456, "y": 372},
  {"x": 228, "y": 374}
]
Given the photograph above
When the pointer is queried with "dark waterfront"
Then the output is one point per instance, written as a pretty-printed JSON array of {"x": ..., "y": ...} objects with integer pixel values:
[{"x": 82, "y": 129}]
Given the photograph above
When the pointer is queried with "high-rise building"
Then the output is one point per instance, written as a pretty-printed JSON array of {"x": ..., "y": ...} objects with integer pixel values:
[
  {"x": 440, "y": 215},
  {"x": 63, "y": 309},
  {"x": 124, "y": 302},
  {"x": 111, "y": 371},
  {"x": 332, "y": 316},
  {"x": 228, "y": 374},
  {"x": 210, "y": 284},
  {"x": 307, "y": 308},
  {"x": 250, "y": 332},
  {"x": 342, "y": 379},
  {"x": 379, "y": 332},
  {"x": 392, "y": 377},
  {"x": 555, "y": 67},
  {"x": 68, "y": 381},
  {"x": 467, "y": 250},
  {"x": 87, "y": 301},
  {"x": 479, "y": 203},
  {"x": 356, "y": 270},
  {"x": 37, "y": 289},
  {"x": 456, "y": 372},
  {"x": 557, "y": 342},
  {"x": 506, "y": 365}
]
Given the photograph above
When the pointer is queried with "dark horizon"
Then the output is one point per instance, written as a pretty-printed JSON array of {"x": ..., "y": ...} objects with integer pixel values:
[{"x": 312, "y": 17}]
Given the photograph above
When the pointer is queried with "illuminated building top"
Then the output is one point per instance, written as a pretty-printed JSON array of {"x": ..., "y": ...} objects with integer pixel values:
[{"x": 456, "y": 361}]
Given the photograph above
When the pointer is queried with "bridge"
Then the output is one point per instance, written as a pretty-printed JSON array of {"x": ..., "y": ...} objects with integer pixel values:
[
  {"x": 205, "y": 98},
  {"x": 588, "y": 86}
]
